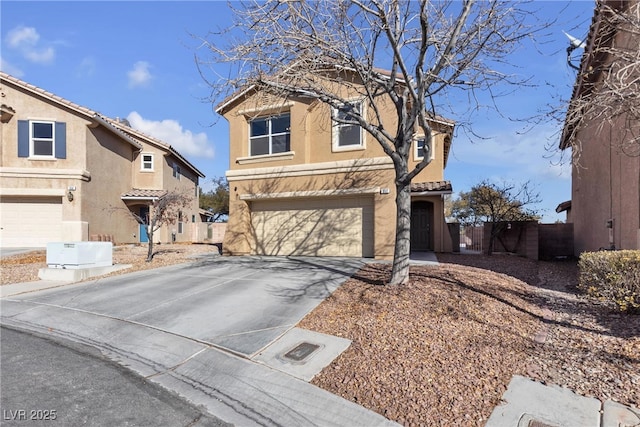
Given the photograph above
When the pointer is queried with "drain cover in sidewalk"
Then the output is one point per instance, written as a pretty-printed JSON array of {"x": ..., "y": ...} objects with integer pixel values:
[{"x": 300, "y": 352}]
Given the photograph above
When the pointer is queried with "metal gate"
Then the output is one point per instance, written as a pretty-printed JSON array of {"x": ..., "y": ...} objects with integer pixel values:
[{"x": 471, "y": 238}]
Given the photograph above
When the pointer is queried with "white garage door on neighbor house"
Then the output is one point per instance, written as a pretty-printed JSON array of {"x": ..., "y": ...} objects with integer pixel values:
[{"x": 30, "y": 221}]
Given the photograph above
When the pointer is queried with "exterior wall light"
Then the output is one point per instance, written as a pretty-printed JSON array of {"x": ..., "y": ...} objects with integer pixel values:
[{"x": 70, "y": 196}]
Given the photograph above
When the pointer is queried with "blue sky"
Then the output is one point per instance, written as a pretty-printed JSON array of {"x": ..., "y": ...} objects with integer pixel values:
[{"x": 136, "y": 60}]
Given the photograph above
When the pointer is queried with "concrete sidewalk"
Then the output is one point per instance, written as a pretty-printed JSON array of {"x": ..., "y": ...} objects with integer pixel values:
[
  {"x": 26, "y": 287},
  {"x": 531, "y": 404}
]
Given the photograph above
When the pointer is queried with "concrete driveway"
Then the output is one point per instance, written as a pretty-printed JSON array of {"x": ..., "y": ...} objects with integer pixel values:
[
  {"x": 205, "y": 331},
  {"x": 238, "y": 303}
]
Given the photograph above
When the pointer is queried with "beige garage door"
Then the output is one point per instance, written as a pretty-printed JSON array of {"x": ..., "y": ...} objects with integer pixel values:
[
  {"x": 315, "y": 227},
  {"x": 30, "y": 221}
]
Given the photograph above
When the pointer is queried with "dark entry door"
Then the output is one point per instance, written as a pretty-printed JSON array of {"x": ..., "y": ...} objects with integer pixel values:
[{"x": 421, "y": 226}]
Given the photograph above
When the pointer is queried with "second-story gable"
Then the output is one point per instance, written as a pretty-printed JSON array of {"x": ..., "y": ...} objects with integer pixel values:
[{"x": 44, "y": 131}]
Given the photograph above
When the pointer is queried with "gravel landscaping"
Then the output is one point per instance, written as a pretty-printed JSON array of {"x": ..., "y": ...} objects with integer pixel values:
[
  {"x": 24, "y": 267},
  {"x": 442, "y": 349}
]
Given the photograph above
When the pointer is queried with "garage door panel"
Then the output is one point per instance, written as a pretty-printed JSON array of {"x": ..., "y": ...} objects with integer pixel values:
[
  {"x": 330, "y": 227},
  {"x": 30, "y": 221}
]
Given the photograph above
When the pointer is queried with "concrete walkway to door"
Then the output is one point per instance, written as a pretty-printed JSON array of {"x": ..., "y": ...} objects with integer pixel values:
[{"x": 204, "y": 331}]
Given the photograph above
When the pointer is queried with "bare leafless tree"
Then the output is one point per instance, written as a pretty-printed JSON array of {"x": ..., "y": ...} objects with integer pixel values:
[
  {"x": 405, "y": 54},
  {"x": 163, "y": 210},
  {"x": 607, "y": 90}
]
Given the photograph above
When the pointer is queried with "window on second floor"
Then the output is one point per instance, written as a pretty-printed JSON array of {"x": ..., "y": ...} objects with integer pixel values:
[
  {"x": 42, "y": 139},
  {"x": 347, "y": 135},
  {"x": 420, "y": 150},
  {"x": 270, "y": 135},
  {"x": 176, "y": 171},
  {"x": 147, "y": 162}
]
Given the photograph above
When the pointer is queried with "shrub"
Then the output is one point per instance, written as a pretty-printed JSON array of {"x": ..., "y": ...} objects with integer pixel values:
[{"x": 612, "y": 277}]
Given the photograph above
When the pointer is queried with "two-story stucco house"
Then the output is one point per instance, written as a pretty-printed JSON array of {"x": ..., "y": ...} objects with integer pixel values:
[
  {"x": 70, "y": 174},
  {"x": 605, "y": 187},
  {"x": 300, "y": 184}
]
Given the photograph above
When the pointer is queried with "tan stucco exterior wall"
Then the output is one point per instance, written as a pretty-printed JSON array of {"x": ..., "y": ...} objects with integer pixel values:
[
  {"x": 185, "y": 184},
  {"x": 606, "y": 181},
  {"x": 22, "y": 176},
  {"x": 313, "y": 165},
  {"x": 311, "y": 137},
  {"x": 605, "y": 186},
  {"x": 102, "y": 208}
]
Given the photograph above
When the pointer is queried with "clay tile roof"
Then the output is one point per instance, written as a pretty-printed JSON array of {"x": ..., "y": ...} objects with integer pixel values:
[
  {"x": 421, "y": 187},
  {"x": 141, "y": 194}
]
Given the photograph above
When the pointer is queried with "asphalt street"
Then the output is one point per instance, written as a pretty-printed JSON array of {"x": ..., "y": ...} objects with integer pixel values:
[{"x": 58, "y": 382}]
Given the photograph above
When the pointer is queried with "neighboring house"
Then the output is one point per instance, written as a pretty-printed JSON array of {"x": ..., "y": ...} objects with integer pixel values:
[
  {"x": 70, "y": 174},
  {"x": 301, "y": 184},
  {"x": 605, "y": 193}
]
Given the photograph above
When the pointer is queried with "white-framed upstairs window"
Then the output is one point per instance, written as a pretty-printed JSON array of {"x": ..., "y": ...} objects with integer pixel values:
[
  {"x": 270, "y": 135},
  {"x": 176, "y": 171},
  {"x": 347, "y": 136},
  {"x": 42, "y": 139},
  {"x": 147, "y": 162},
  {"x": 420, "y": 149}
]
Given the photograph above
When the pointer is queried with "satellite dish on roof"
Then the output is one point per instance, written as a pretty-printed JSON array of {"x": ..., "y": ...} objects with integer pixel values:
[{"x": 574, "y": 43}]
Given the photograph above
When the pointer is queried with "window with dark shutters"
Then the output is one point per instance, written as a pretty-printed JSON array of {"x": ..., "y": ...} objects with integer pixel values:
[{"x": 42, "y": 139}]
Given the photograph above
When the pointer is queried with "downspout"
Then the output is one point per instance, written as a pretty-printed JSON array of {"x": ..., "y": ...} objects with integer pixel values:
[{"x": 611, "y": 222}]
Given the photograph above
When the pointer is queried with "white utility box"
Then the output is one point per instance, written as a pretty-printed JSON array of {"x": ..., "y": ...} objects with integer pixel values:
[{"x": 76, "y": 255}]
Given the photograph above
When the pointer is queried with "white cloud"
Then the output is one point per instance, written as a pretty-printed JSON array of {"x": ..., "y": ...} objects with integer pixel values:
[
  {"x": 26, "y": 40},
  {"x": 41, "y": 56},
  {"x": 140, "y": 75},
  {"x": 525, "y": 154},
  {"x": 171, "y": 132},
  {"x": 21, "y": 37}
]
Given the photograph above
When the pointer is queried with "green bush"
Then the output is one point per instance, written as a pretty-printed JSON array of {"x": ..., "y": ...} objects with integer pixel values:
[{"x": 612, "y": 276}]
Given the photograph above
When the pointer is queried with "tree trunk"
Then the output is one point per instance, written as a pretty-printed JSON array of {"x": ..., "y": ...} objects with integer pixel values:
[
  {"x": 492, "y": 237},
  {"x": 150, "y": 235},
  {"x": 400, "y": 270}
]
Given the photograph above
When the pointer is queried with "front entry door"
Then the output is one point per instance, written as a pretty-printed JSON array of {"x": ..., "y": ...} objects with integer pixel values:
[
  {"x": 144, "y": 213},
  {"x": 421, "y": 226}
]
